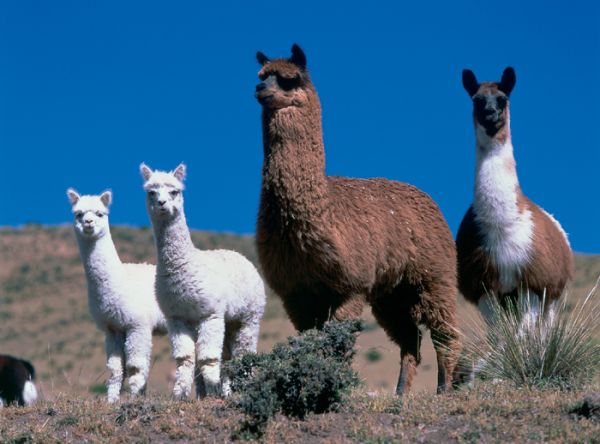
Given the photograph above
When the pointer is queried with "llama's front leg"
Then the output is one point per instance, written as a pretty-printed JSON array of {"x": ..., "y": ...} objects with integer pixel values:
[
  {"x": 182, "y": 341},
  {"x": 114, "y": 343},
  {"x": 138, "y": 350},
  {"x": 209, "y": 350}
]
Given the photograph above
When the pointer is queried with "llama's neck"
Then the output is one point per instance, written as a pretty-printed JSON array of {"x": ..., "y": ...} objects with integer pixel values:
[
  {"x": 101, "y": 262},
  {"x": 174, "y": 244},
  {"x": 497, "y": 189},
  {"x": 294, "y": 164},
  {"x": 504, "y": 219}
]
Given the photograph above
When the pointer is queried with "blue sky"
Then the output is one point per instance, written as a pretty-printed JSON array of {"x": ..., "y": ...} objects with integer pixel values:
[{"x": 88, "y": 90}]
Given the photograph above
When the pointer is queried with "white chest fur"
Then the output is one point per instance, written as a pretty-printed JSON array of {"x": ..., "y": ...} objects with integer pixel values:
[{"x": 507, "y": 232}]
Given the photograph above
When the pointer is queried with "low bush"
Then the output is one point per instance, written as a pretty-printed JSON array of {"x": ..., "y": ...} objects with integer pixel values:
[{"x": 312, "y": 373}]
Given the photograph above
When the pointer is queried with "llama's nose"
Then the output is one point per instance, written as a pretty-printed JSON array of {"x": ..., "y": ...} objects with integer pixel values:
[
  {"x": 260, "y": 87},
  {"x": 161, "y": 202}
]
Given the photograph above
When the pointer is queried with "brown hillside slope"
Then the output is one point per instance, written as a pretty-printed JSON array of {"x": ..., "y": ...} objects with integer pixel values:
[{"x": 44, "y": 314}]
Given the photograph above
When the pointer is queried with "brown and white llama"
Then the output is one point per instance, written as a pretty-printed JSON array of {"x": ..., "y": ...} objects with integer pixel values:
[
  {"x": 329, "y": 244},
  {"x": 506, "y": 244}
]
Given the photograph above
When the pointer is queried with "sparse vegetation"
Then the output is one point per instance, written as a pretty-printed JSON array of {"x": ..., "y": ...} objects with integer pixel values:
[
  {"x": 489, "y": 413},
  {"x": 310, "y": 374}
]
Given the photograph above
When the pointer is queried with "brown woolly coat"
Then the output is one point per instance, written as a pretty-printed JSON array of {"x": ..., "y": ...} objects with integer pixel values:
[{"x": 327, "y": 244}]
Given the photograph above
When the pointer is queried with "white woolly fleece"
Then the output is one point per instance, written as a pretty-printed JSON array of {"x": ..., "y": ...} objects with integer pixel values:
[
  {"x": 213, "y": 300},
  {"x": 121, "y": 296}
]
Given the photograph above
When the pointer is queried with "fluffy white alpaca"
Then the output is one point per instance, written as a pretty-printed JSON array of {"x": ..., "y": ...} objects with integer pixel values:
[
  {"x": 213, "y": 300},
  {"x": 121, "y": 296}
]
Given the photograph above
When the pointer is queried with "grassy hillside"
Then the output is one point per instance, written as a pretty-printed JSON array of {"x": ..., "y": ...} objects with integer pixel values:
[
  {"x": 44, "y": 315},
  {"x": 44, "y": 318}
]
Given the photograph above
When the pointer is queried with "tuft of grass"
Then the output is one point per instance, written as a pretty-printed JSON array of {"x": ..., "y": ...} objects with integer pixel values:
[
  {"x": 541, "y": 347},
  {"x": 312, "y": 373}
]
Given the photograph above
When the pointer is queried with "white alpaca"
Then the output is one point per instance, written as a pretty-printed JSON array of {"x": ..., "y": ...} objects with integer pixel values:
[
  {"x": 121, "y": 296},
  {"x": 213, "y": 300}
]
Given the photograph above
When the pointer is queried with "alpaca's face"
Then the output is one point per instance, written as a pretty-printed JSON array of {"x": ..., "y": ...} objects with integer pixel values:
[
  {"x": 284, "y": 82},
  {"x": 164, "y": 197},
  {"x": 490, "y": 100},
  {"x": 90, "y": 215}
]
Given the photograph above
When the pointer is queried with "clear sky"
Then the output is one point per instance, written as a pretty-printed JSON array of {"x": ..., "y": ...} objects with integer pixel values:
[{"x": 88, "y": 90}]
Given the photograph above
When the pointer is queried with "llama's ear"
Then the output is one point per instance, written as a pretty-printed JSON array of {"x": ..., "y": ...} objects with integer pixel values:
[
  {"x": 146, "y": 171},
  {"x": 73, "y": 196},
  {"x": 508, "y": 81},
  {"x": 469, "y": 82},
  {"x": 262, "y": 59},
  {"x": 106, "y": 198},
  {"x": 179, "y": 172},
  {"x": 298, "y": 57}
]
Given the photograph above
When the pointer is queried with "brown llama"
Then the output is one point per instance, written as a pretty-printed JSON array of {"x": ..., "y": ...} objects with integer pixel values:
[
  {"x": 505, "y": 243},
  {"x": 329, "y": 244}
]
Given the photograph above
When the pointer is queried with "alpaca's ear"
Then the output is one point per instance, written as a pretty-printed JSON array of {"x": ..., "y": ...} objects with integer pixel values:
[
  {"x": 179, "y": 172},
  {"x": 106, "y": 198},
  {"x": 262, "y": 59},
  {"x": 469, "y": 82},
  {"x": 146, "y": 171},
  {"x": 298, "y": 57},
  {"x": 73, "y": 196},
  {"x": 508, "y": 81}
]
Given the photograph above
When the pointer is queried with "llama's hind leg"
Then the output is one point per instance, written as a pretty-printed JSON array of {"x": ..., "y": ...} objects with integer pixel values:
[
  {"x": 138, "y": 350},
  {"x": 447, "y": 349},
  {"x": 114, "y": 344},
  {"x": 209, "y": 351},
  {"x": 440, "y": 315},
  {"x": 182, "y": 341}
]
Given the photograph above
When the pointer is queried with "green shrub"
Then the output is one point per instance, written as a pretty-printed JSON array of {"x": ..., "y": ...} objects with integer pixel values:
[
  {"x": 557, "y": 351},
  {"x": 373, "y": 355},
  {"x": 312, "y": 373}
]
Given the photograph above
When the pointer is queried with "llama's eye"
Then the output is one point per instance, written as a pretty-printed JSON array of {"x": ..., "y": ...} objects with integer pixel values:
[
  {"x": 152, "y": 193},
  {"x": 78, "y": 215},
  {"x": 174, "y": 193},
  {"x": 287, "y": 84},
  {"x": 502, "y": 101},
  {"x": 99, "y": 214}
]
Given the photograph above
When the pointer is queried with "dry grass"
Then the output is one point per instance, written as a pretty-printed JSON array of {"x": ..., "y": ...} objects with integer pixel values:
[{"x": 490, "y": 413}]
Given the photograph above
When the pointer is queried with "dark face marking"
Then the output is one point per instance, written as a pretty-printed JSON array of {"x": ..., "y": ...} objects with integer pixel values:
[
  {"x": 282, "y": 80},
  {"x": 490, "y": 99},
  {"x": 490, "y": 109}
]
